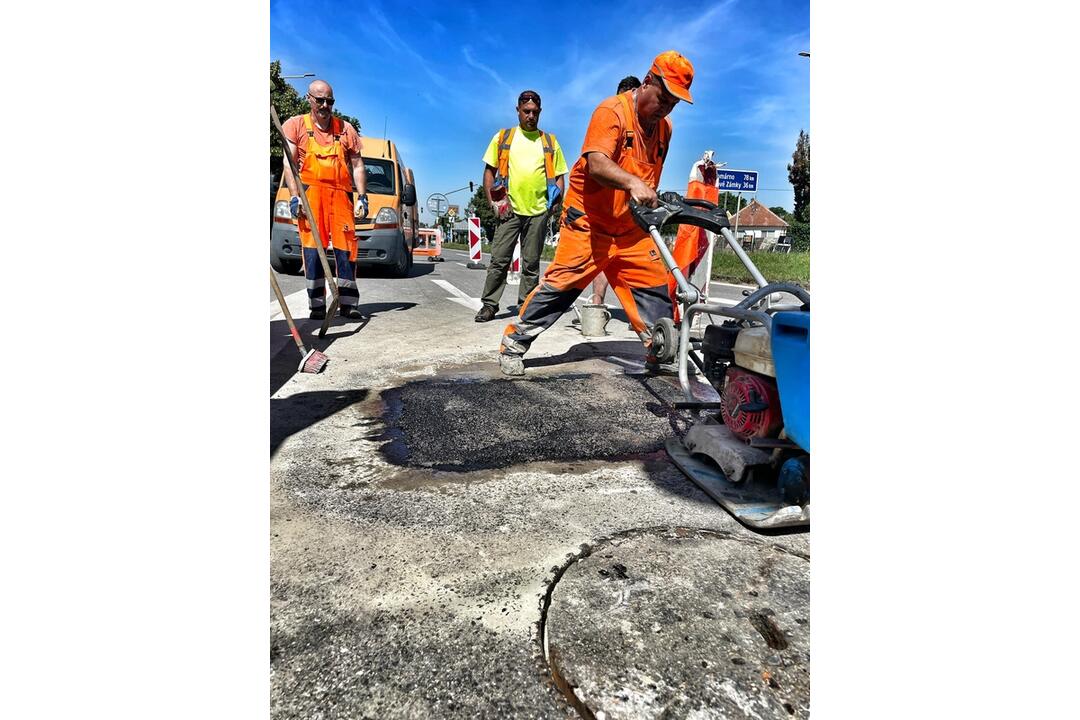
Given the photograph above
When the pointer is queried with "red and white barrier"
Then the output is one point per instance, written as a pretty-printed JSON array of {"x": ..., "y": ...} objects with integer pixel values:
[
  {"x": 514, "y": 278},
  {"x": 476, "y": 255}
]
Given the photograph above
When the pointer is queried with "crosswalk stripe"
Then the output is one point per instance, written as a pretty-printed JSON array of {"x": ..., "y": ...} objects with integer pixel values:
[{"x": 296, "y": 302}]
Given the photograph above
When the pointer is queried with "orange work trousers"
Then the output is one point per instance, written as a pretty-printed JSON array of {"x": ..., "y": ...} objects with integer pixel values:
[
  {"x": 333, "y": 213},
  {"x": 631, "y": 263}
]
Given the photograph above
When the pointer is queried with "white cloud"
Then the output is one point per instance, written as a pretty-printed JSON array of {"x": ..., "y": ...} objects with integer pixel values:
[
  {"x": 388, "y": 35},
  {"x": 472, "y": 62}
]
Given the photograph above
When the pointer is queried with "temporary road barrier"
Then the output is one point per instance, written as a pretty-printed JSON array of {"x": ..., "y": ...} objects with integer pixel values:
[{"x": 476, "y": 255}]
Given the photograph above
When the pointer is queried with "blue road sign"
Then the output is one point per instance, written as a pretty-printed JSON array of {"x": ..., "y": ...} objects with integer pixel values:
[{"x": 736, "y": 180}]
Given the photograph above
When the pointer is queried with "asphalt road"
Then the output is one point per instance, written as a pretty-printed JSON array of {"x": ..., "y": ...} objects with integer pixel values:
[
  {"x": 471, "y": 281},
  {"x": 424, "y": 508}
]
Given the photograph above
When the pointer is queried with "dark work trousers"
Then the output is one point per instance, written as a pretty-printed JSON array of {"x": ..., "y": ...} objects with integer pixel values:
[
  {"x": 531, "y": 230},
  {"x": 344, "y": 270}
]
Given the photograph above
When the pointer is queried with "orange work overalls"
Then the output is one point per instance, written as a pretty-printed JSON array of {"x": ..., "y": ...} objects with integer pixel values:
[
  {"x": 327, "y": 177},
  {"x": 598, "y": 234}
]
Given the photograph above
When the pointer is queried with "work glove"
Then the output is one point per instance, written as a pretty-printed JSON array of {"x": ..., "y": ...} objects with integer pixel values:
[
  {"x": 502, "y": 209},
  {"x": 361, "y": 207},
  {"x": 553, "y": 194},
  {"x": 294, "y": 206}
]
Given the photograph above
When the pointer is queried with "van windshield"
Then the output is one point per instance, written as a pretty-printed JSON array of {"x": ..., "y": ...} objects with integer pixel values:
[{"x": 380, "y": 176}]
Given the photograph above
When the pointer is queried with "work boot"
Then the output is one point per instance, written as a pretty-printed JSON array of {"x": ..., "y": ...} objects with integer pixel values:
[
  {"x": 511, "y": 365},
  {"x": 351, "y": 312},
  {"x": 487, "y": 313},
  {"x": 318, "y": 314}
]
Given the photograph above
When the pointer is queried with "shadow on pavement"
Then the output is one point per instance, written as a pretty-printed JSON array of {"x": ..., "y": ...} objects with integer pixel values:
[
  {"x": 628, "y": 349},
  {"x": 292, "y": 414},
  {"x": 285, "y": 363},
  {"x": 379, "y": 271},
  {"x": 419, "y": 270}
]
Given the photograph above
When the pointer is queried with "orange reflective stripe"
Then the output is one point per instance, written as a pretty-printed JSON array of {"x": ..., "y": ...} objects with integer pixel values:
[
  {"x": 548, "y": 141},
  {"x": 504, "y": 153}
]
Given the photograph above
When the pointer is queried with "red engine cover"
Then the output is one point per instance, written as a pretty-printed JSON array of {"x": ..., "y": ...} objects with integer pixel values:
[{"x": 750, "y": 404}]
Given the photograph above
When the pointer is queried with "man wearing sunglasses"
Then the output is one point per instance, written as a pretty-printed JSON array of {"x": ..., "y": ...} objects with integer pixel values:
[{"x": 327, "y": 151}]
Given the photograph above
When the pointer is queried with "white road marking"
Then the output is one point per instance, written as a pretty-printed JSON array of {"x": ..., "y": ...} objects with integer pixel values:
[
  {"x": 296, "y": 302},
  {"x": 460, "y": 297}
]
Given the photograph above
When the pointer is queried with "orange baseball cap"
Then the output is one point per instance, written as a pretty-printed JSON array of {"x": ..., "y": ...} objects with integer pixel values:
[{"x": 676, "y": 72}]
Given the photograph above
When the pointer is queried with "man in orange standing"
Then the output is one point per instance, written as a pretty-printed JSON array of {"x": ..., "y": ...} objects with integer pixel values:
[
  {"x": 621, "y": 160},
  {"x": 327, "y": 151}
]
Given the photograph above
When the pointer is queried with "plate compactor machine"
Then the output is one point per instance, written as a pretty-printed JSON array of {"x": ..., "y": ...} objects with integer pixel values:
[{"x": 749, "y": 450}]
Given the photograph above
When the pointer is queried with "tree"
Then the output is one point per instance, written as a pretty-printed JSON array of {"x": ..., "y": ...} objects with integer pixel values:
[
  {"x": 799, "y": 233},
  {"x": 287, "y": 102},
  {"x": 799, "y": 177},
  {"x": 730, "y": 201},
  {"x": 782, "y": 214}
]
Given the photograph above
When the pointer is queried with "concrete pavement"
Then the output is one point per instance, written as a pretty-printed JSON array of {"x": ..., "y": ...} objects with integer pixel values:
[{"x": 425, "y": 513}]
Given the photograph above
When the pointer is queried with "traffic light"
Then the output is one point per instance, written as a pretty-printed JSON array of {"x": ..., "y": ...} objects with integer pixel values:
[{"x": 470, "y": 186}]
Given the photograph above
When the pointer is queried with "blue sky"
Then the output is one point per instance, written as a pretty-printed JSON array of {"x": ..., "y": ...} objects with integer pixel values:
[{"x": 445, "y": 76}]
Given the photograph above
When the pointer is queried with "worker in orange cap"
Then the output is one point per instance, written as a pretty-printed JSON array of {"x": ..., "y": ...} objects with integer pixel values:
[
  {"x": 621, "y": 160},
  {"x": 327, "y": 151}
]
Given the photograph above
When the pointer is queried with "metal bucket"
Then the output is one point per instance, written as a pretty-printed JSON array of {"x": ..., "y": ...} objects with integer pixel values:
[{"x": 594, "y": 320}]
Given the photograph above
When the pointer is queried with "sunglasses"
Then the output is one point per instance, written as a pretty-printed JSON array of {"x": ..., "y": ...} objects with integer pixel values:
[{"x": 328, "y": 102}]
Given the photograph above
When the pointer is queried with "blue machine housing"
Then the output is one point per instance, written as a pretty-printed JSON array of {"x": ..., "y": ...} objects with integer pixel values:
[{"x": 791, "y": 354}]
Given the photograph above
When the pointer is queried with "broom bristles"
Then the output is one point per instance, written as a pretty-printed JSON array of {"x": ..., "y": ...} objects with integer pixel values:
[{"x": 313, "y": 362}]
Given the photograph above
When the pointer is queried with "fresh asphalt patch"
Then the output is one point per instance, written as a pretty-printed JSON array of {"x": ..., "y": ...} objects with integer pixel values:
[{"x": 465, "y": 424}]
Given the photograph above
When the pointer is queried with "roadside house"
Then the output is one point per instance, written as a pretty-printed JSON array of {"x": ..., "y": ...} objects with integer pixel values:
[{"x": 759, "y": 227}]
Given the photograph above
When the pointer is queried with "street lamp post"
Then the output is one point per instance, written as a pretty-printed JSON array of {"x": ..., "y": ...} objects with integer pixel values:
[{"x": 295, "y": 77}]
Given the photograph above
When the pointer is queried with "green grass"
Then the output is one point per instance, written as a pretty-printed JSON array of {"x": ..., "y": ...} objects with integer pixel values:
[{"x": 776, "y": 267}]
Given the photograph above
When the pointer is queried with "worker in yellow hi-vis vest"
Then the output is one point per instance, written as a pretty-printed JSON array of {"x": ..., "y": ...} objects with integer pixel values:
[{"x": 524, "y": 172}]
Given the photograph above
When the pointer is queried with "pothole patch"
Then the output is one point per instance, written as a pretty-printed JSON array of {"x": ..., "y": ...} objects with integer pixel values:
[
  {"x": 465, "y": 425},
  {"x": 682, "y": 623}
]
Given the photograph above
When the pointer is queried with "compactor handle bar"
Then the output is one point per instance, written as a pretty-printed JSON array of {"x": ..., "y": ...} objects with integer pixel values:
[{"x": 677, "y": 210}]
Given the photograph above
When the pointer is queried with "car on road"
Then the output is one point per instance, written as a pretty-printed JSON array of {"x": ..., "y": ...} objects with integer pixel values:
[{"x": 385, "y": 237}]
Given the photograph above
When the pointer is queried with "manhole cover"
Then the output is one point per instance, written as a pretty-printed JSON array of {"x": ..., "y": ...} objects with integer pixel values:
[
  {"x": 468, "y": 425},
  {"x": 683, "y": 624}
]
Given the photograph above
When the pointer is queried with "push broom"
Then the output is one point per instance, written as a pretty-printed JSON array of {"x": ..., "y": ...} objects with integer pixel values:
[
  {"x": 312, "y": 361},
  {"x": 332, "y": 310}
]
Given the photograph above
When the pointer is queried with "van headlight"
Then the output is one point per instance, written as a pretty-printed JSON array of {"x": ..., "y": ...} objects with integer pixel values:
[{"x": 386, "y": 216}]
